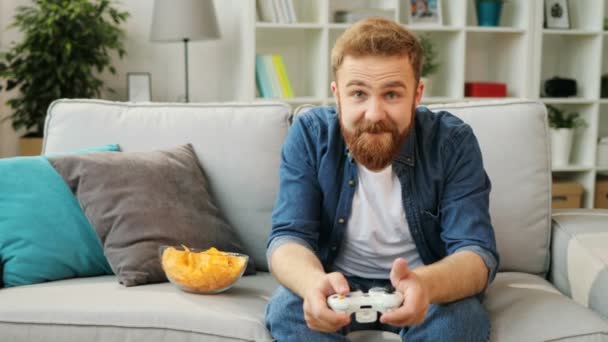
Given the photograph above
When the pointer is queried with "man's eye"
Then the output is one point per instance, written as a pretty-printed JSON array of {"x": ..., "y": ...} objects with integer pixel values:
[
  {"x": 392, "y": 95},
  {"x": 358, "y": 94}
]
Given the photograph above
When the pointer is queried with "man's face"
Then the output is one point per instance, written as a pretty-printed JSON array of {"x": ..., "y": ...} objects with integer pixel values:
[{"x": 376, "y": 97}]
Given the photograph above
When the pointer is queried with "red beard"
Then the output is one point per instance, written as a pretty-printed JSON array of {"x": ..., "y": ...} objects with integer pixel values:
[{"x": 374, "y": 144}]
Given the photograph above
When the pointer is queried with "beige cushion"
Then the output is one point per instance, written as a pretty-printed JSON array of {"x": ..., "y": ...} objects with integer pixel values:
[
  {"x": 525, "y": 307},
  {"x": 93, "y": 303},
  {"x": 237, "y": 144}
]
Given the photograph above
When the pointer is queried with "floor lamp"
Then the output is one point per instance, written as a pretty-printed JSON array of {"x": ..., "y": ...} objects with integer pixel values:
[{"x": 184, "y": 20}]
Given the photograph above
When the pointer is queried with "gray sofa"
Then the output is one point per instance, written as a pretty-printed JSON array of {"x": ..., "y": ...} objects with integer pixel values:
[{"x": 238, "y": 146}]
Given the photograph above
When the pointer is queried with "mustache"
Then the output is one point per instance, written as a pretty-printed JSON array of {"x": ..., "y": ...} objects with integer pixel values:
[{"x": 376, "y": 127}]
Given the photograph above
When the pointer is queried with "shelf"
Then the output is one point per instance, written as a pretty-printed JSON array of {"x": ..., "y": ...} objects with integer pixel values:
[
  {"x": 566, "y": 100},
  {"x": 472, "y": 98},
  {"x": 338, "y": 26},
  {"x": 281, "y": 26},
  {"x": 439, "y": 99},
  {"x": 415, "y": 28},
  {"x": 492, "y": 57},
  {"x": 566, "y": 32},
  {"x": 303, "y": 100},
  {"x": 500, "y": 29},
  {"x": 572, "y": 56},
  {"x": 604, "y": 101},
  {"x": 572, "y": 168},
  {"x": 293, "y": 100},
  {"x": 431, "y": 28}
]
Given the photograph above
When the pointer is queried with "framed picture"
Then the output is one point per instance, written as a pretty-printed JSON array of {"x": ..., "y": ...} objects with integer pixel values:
[
  {"x": 425, "y": 12},
  {"x": 556, "y": 14},
  {"x": 139, "y": 87}
]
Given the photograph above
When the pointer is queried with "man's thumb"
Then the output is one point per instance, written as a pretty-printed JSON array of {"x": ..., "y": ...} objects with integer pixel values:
[
  {"x": 399, "y": 271},
  {"x": 338, "y": 283}
]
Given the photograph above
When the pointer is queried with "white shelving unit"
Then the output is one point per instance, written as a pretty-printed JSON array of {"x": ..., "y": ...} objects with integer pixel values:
[
  {"x": 579, "y": 53},
  {"x": 519, "y": 52}
]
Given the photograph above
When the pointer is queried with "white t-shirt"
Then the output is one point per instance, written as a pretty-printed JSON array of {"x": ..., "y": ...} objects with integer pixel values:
[{"x": 377, "y": 232}]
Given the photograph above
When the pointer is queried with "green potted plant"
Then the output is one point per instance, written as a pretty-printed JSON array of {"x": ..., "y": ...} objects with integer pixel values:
[
  {"x": 430, "y": 64},
  {"x": 66, "y": 45},
  {"x": 562, "y": 126},
  {"x": 488, "y": 12}
]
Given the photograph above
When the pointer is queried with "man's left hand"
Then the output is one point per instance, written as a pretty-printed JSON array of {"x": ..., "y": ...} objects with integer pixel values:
[{"x": 415, "y": 297}]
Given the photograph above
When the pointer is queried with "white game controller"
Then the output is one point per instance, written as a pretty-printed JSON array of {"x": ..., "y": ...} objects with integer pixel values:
[{"x": 365, "y": 305}]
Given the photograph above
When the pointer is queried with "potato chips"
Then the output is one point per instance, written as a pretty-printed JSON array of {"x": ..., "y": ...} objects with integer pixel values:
[{"x": 208, "y": 271}]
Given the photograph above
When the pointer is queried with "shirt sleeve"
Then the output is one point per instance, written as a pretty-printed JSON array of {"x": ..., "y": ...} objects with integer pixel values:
[
  {"x": 464, "y": 208},
  {"x": 296, "y": 213}
]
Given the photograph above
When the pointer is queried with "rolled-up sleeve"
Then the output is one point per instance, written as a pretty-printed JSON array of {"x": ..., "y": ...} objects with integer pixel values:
[
  {"x": 465, "y": 212},
  {"x": 296, "y": 213}
]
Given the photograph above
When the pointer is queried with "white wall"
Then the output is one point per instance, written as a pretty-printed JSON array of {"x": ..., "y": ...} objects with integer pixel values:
[{"x": 211, "y": 63}]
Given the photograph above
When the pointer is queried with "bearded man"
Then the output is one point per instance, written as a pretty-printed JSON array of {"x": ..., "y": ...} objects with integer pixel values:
[{"x": 381, "y": 192}]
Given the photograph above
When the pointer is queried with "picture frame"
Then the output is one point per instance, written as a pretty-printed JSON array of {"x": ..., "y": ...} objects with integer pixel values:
[
  {"x": 139, "y": 87},
  {"x": 425, "y": 13},
  {"x": 557, "y": 15}
]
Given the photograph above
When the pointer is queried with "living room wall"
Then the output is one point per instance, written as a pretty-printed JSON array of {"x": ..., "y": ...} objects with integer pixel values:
[{"x": 211, "y": 63}]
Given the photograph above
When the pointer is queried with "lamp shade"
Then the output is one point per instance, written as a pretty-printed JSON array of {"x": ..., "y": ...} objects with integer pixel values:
[{"x": 176, "y": 20}]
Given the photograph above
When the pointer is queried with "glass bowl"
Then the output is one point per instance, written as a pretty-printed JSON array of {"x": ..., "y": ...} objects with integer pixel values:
[{"x": 205, "y": 273}]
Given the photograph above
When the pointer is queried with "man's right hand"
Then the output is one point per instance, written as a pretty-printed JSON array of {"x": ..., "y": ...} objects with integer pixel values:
[{"x": 317, "y": 314}]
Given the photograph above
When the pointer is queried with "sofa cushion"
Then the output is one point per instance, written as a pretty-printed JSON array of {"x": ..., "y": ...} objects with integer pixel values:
[
  {"x": 579, "y": 267},
  {"x": 522, "y": 307},
  {"x": 238, "y": 145},
  {"x": 94, "y": 305},
  {"x": 44, "y": 234},
  {"x": 139, "y": 201},
  {"x": 513, "y": 136},
  {"x": 525, "y": 307}
]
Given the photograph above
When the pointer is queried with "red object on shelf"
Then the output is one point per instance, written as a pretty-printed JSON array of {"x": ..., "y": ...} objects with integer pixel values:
[{"x": 485, "y": 89}]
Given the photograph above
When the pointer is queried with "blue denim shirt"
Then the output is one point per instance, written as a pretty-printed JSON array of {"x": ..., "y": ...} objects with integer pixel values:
[{"x": 445, "y": 189}]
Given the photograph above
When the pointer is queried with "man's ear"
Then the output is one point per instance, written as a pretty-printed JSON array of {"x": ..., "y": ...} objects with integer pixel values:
[
  {"x": 419, "y": 92},
  {"x": 334, "y": 90}
]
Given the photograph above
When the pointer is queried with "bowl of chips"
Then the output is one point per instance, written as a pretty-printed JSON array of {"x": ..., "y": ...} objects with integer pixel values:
[{"x": 202, "y": 271}]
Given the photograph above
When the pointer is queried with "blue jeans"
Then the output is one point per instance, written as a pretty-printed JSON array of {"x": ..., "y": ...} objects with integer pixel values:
[{"x": 463, "y": 320}]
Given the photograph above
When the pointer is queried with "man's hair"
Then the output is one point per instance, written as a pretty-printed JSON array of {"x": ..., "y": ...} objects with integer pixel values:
[{"x": 377, "y": 37}]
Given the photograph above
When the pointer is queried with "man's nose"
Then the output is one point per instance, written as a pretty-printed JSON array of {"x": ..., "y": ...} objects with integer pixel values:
[{"x": 375, "y": 111}]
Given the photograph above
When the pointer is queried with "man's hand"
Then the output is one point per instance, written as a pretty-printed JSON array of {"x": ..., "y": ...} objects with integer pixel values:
[
  {"x": 317, "y": 314},
  {"x": 415, "y": 297}
]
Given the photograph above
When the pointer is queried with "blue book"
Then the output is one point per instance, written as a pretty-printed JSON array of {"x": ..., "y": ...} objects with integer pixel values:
[{"x": 261, "y": 78}]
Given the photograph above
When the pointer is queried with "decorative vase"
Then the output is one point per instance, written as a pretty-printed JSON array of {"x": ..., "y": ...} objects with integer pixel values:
[
  {"x": 561, "y": 145},
  {"x": 488, "y": 12}
]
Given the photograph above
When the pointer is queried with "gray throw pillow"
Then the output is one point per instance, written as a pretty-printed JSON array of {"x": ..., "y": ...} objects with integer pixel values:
[{"x": 138, "y": 201}]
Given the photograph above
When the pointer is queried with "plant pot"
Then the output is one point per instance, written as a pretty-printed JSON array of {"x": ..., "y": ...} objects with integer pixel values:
[
  {"x": 488, "y": 12},
  {"x": 30, "y": 146},
  {"x": 561, "y": 145}
]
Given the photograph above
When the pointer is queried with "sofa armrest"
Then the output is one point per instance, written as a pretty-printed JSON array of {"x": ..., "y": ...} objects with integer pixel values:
[{"x": 579, "y": 256}]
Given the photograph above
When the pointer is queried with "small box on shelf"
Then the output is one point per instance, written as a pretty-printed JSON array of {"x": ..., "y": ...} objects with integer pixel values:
[
  {"x": 485, "y": 89},
  {"x": 565, "y": 194},
  {"x": 601, "y": 193}
]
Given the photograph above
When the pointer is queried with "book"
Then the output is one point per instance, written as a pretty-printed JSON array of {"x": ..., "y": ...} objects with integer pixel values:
[
  {"x": 279, "y": 65},
  {"x": 273, "y": 77},
  {"x": 266, "y": 11},
  {"x": 261, "y": 78}
]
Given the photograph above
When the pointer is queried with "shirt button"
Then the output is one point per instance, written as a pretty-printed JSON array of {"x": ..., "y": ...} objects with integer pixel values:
[
  {"x": 341, "y": 220},
  {"x": 333, "y": 248},
  {"x": 351, "y": 183}
]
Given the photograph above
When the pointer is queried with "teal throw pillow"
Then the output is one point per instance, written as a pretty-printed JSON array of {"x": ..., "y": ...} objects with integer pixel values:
[{"x": 44, "y": 233}]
